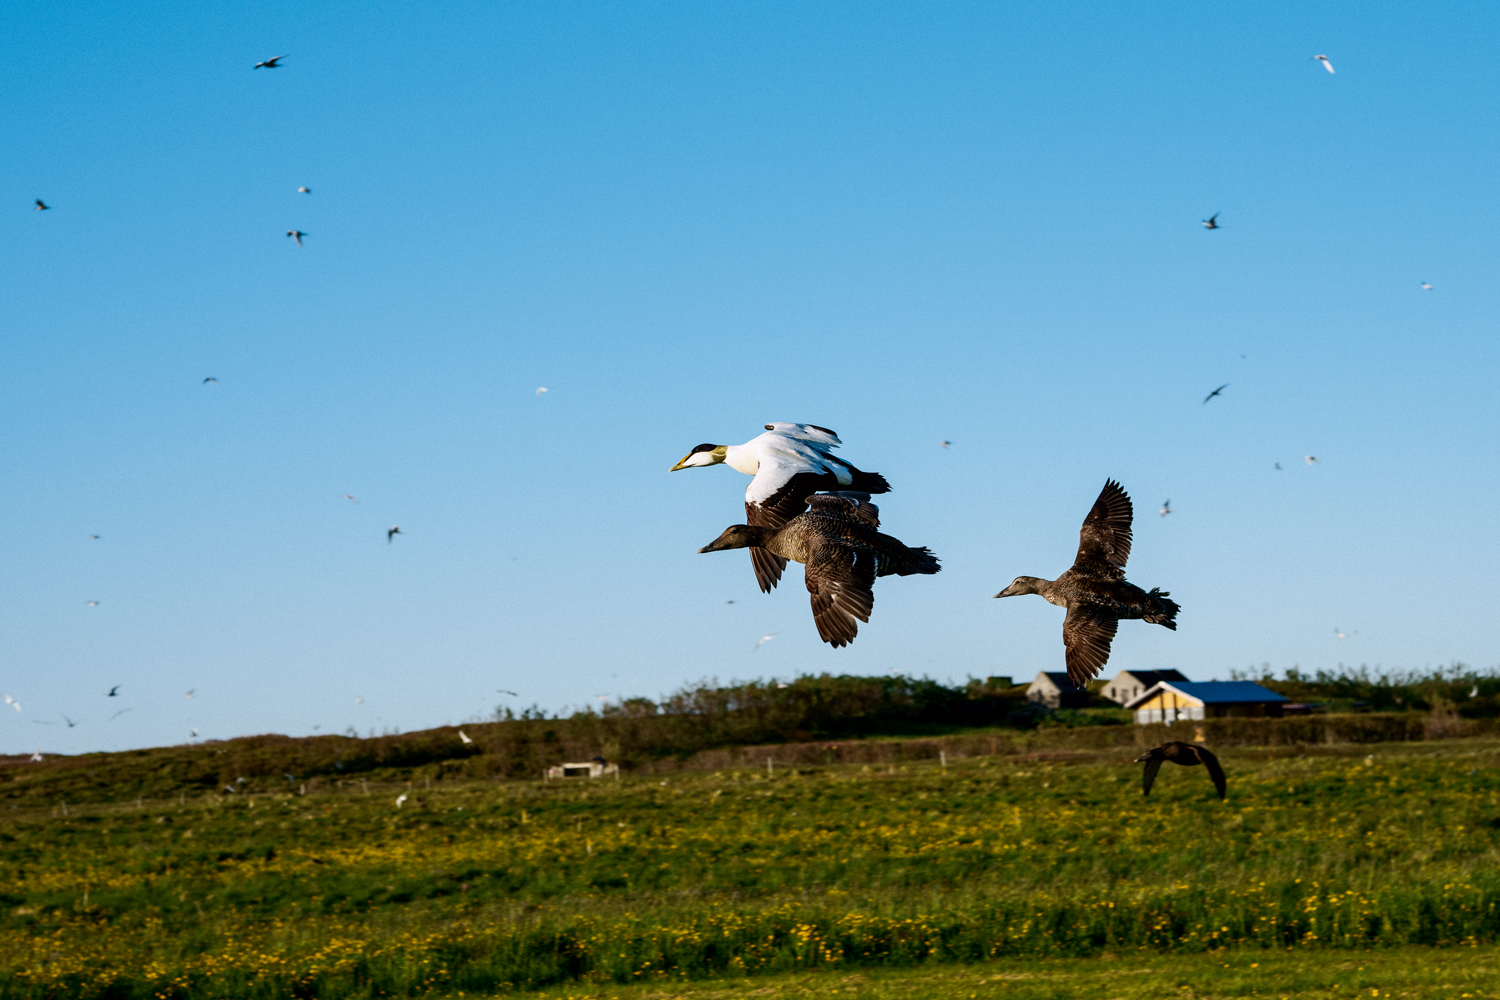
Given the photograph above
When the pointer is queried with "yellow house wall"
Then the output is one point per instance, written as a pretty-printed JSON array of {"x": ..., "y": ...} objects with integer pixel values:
[{"x": 1168, "y": 699}]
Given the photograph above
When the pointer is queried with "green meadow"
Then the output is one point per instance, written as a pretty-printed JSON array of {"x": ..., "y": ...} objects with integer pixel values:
[{"x": 1015, "y": 875}]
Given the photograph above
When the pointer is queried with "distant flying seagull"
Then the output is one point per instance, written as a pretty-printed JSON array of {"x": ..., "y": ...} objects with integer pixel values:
[
  {"x": 1212, "y": 222},
  {"x": 1215, "y": 392},
  {"x": 763, "y": 640},
  {"x": 208, "y": 380},
  {"x": 541, "y": 389},
  {"x": 1474, "y": 691},
  {"x": 1166, "y": 508},
  {"x": 190, "y": 692},
  {"x": 359, "y": 699},
  {"x": 192, "y": 734},
  {"x": 351, "y": 497},
  {"x": 946, "y": 444},
  {"x": 113, "y": 692},
  {"x": 729, "y": 602},
  {"x": 272, "y": 63},
  {"x": 304, "y": 190},
  {"x": 511, "y": 693},
  {"x": 42, "y": 206},
  {"x": 296, "y": 234},
  {"x": 93, "y": 604},
  {"x": 1278, "y": 467},
  {"x": 1310, "y": 459},
  {"x": 121, "y": 712},
  {"x": 464, "y": 736},
  {"x": 1337, "y": 634},
  {"x": 94, "y": 537},
  {"x": 69, "y": 721},
  {"x": 13, "y": 703},
  {"x": 37, "y": 757},
  {"x": 1326, "y": 64},
  {"x": 1426, "y": 286},
  {"x": 400, "y": 800},
  {"x": 395, "y": 530}
]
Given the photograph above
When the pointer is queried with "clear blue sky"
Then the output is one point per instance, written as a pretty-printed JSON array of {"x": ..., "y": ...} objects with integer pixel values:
[{"x": 907, "y": 222}]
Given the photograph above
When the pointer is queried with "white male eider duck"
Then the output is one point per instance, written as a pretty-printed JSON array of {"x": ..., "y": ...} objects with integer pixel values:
[{"x": 790, "y": 462}]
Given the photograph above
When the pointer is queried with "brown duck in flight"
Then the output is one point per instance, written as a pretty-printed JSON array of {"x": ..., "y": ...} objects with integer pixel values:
[
  {"x": 1186, "y": 754},
  {"x": 836, "y": 539},
  {"x": 1095, "y": 591}
]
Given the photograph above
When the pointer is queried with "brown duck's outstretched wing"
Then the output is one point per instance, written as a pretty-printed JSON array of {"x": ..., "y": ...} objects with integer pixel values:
[
  {"x": 846, "y": 504},
  {"x": 1087, "y": 632},
  {"x": 1148, "y": 776},
  {"x": 1104, "y": 541},
  {"x": 779, "y": 495},
  {"x": 1214, "y": 770},
  {"x": 839, "y": 579}
]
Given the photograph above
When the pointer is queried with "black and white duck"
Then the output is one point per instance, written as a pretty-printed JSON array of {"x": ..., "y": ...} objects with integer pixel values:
[
  {"x": 1095, "y": 590},
  {"x": 836, "y": 539},
  {"x": 790, "y": 462}
]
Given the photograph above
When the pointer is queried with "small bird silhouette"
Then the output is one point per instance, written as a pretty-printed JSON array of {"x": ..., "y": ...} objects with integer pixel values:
[
  {"x": 1212, "y": 222},
  {"x": 208, "y": 380},
  {"x": 190, "y": 692},
  {"x": 541, "y": 389},
  {"x": 511, "y": 693},
  {"x": 1277, "y": 467},
  {"x": 1324, "y": 60},
  {"x": 93, "y": 604},
  {"x": 395, "y": 530},
  {"x": 1215, "y": 392},
  {"x": 1186, "y": 754},
  {"x": 1426, "y": 286},
  {"x": 270, "y": 63},
  {"x": 304, "y": 190},
  {"x": 69, "y": 721},
  {"x": 1310, "y": 459},
  {"x": 1166, "y": 508},
  {"x": 192, "y": 734},
  {"x": 94, "y": 537},
  {"x": 351, "y": 497},
  {"x": 946, "y": 444},
  {"x": 464, "y": 736},
  {"x": 42, "y": 206},
  {"x": 113, "y": 692},
  {"x": 296, "y": 234},
  {"x": 121, "y": 712},
  {"x": 763, "y": 640}
]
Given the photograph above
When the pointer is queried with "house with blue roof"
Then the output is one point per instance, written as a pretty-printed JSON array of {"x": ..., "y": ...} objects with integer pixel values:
[{"x": 1169, "y": 701}]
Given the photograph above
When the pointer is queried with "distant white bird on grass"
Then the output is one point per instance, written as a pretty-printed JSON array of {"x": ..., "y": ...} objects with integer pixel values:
[
  {"x": 1324, "y": 60},
  {"x": 464, "y": 736},
  {"x": 764, "y": 639},
  {"x": 400, "y": 800},
  {"x": 1474, "y": 691},
  {"x": 1166, "y": 508}
]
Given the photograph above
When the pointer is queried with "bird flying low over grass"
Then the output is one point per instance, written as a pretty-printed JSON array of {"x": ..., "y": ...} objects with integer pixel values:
[
  {"x": 836, "y": 540},
  {"x": 1212, "y": 222},
  {"x": 297, "y": 235},
  {"x": 1326, "y": 64},
  {"x": 465, "y": 737},
  {"x": 272, "y": 63},
  {"x": 1095, "y": 591},
  {"x": 1186, "y": 754},
  {"x": 790, "y": 462}
]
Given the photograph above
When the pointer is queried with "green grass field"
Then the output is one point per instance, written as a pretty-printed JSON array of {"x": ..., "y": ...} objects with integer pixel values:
[{"x": 981, "y": 877}]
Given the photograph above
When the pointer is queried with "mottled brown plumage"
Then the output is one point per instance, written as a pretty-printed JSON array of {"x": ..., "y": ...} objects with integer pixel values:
[
  {"x": 1186, "y": 754},
  {"x": 836, "y": 539},
  {"x": 1095, "y": 590}
]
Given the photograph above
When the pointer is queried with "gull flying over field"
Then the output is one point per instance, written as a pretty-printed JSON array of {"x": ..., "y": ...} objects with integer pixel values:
[
  {"x": 271, "y": 63},
  {"x": 400, "y": 800},
  {"x": 36, "y": 758},
  {"x": 193, "y": 734},
  {"x": 1212, "y": 222},
  {"x": 1186, "y": 754},
  {"x": 393, "y": 532},
  {"x": 1324, "y": 60},
  {"x": 359, "y": 699},
  {"x": 1166, "y": 508},
  {"x": 1215, "y": 392},
  {"x": 296, "y": 234},
  {"x": 464, "y": 736},
  {"x": 1426, "y": 286},
  {"x": 49, "y": 722},
  {"x": 1340, "y": 634},
  {"x": 763, "y": 640},
  {"x": 1277, "y": 467},
  {"x": 190, "y": 692}
]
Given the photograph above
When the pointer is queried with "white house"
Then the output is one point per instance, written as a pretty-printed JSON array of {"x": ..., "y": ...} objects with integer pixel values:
[{"x": 1130, "y": 684}]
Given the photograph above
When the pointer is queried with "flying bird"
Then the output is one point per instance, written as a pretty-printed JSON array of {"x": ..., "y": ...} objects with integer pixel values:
[
  {"x": 36, "y": 758},
  {"x": 763, "y": 640},
  {"x": 1215, "y": 392},
  {"x": 946, "y": 444},
  {"x": 296, "y": 234},
  {"x": 1277, "y": 467},
  {"x": 790, "y": 462},
  {"x": 69, "y": 721},
  {"x": 1186, "y": 754},
  {"x": 304, "y": 190},
  {"x": 1095, "y": 591},
  {"x": 1310, "y": 459},
  {"x": 351, "y": 498},
  {"x": 511, "y": 693},
  {"x": 94, "y": 537},
  {"x": 1324, "y": 60},
  {"x": 190, "y": 692},
  {"x": 1339, "y": 634},
  {"x": 121, "y": 712},
  {"x": 541, "y": 389},
  {"x": 113, "y": 692},
  {"x": 1212, "y": 222},
  {"x": 48, "y": 722},
  {"x": 1474, "y": 691},
  {"x": 464, "y": 736},
  {"x": 42, "y": 206},
  {"x": 359, "y": 699},
  {"x": 192, "y": 734},
  {"x": 392, "y": 533},
  {"x": 93, "y": 604},
  {"x": 270, "y": 63},
  {"x": 836, "y": 540},
  {"x": 210, "y": 379},
  {"x": 12, "y": 703},
  {"x": 400, "y": 800},
  {"x": 1166, "y": 508}
]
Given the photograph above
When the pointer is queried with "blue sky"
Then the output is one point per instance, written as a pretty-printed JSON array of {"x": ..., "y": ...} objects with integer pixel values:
[{"x": 910, "y": 223}]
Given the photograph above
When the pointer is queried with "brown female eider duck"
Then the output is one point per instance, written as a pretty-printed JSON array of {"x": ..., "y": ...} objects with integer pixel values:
[
  {"x": 1186, "y": 754},
  {"x": 790, "y": 462},
  {"x": 1095, "y": 591},
  {"x": 836, "y": 540}
]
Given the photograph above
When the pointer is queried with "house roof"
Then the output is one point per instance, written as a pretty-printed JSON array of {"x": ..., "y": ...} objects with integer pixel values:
[
  {"x": 1149, "y": 677},
  {"x": 1212, "y": 692},
  {"x": 1059, "y": 679}
]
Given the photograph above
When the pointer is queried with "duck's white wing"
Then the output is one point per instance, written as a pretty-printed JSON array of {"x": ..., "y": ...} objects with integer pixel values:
[{"x": 805, "y": 432}]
